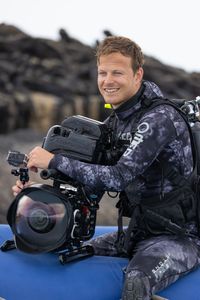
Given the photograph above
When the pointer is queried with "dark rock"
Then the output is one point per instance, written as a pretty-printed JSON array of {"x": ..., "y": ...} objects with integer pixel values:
[
  {"x": 174, "y": 82},
  {"x": 64, "y": 69}
]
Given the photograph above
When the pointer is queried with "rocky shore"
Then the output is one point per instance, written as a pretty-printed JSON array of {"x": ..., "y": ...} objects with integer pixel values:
[{"x": 42, "y": 81}]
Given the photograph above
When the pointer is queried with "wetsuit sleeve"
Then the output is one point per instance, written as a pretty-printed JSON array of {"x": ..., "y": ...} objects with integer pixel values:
[{"x": 155, "y": 130}]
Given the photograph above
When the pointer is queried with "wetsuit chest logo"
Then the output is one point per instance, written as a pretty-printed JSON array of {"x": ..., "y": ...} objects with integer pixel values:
[{"x": 138, "y": 137}]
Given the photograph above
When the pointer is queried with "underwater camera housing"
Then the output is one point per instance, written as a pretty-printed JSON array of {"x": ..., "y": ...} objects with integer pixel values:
[{"x": 62, "y": 216}]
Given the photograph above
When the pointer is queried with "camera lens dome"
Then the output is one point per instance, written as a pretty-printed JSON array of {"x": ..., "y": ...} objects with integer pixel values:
[{"x": 40, "y": 218}]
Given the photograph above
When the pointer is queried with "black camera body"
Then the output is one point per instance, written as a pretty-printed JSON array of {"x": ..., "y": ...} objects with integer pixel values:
[
  {"x": 60, "y": 217},
  {"x": 78, "y": 137}
]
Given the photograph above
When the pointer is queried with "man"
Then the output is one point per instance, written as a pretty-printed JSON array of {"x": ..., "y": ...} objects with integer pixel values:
[{"x": 155, "y": 140}]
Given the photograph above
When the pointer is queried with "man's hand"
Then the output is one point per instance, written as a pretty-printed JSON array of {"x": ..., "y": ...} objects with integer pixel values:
[
  {"x": 16, "y": 189},
  {"x": 39, "y": 158}
]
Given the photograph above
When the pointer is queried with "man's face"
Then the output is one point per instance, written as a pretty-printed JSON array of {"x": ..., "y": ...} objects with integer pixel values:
[{"x": 116, "y": 80}]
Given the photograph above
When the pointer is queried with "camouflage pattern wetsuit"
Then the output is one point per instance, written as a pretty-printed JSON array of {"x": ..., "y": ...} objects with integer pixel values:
[{"x": 158, "y": 260}]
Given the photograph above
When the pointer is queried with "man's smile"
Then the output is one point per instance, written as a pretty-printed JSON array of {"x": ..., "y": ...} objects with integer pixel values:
[{"x": 111, "y": 90}]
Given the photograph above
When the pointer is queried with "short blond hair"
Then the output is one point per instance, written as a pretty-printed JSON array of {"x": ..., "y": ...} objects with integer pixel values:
[{"x": 123, "y": 45}]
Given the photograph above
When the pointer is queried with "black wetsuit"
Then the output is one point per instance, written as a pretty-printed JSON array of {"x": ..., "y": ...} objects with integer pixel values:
[{"x": 161, "y": 135}]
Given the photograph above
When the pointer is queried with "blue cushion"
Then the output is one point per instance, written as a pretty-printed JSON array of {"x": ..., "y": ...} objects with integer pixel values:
[{"x": 40, "y": 277}]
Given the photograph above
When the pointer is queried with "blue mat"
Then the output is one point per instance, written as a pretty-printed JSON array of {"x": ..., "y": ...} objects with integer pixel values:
[{"x": 42, "y": 277}]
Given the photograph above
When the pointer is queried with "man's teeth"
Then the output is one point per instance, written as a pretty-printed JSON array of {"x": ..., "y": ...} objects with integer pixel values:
[{"x": 113, "y": 90}]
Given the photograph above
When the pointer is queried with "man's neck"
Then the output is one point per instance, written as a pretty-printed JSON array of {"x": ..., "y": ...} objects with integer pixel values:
[{"x": 130, "y": 102}]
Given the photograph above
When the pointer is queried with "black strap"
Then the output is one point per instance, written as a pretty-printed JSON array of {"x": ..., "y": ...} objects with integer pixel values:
[
  {"x": 174, "y": 175},
  {"x": 167, "y": 223},
  {"x": 119, "y": 243},
  {"x": 133, "y": 231}
]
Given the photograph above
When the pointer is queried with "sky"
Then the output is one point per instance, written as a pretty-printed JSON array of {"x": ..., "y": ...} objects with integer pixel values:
[{"x": 168, "y": 30}]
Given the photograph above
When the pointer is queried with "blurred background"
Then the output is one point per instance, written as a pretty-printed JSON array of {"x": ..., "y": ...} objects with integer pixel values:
[{"x": 48, "y": 66}]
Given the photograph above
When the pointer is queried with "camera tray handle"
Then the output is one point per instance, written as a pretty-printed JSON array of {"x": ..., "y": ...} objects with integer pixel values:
[
  {"x": 76, "y": 254},
  {"x": 64, "y": 257}
]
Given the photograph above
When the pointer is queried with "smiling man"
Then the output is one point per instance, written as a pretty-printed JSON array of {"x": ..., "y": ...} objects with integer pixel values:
[
  {"x": 117, "y": 81},
  {"x": 154, "y": 142}
]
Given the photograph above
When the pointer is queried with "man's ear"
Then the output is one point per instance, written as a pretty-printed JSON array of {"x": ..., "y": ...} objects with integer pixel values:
[{"x": 139, "y": 74}]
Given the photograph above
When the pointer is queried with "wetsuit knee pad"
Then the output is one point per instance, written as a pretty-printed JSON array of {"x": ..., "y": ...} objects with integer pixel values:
[{"x": 136, "y": 287}]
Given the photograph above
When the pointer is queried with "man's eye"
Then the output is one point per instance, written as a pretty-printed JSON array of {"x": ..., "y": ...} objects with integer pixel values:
[{"x": 118, "y": 73}]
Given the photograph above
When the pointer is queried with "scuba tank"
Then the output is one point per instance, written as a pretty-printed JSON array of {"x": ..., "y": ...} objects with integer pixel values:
[
  {"x": 196, "y": 135},
  {"x": 192, "y": 112}
]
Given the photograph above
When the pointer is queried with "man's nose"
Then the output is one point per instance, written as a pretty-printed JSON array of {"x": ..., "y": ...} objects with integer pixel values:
[{"x": 109, "y": 78}]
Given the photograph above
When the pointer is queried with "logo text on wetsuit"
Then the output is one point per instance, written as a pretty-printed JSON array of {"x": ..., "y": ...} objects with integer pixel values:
[{"x": 138, "y": 137}]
